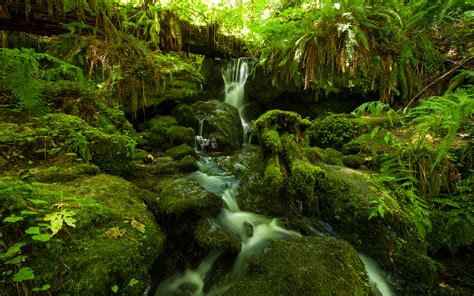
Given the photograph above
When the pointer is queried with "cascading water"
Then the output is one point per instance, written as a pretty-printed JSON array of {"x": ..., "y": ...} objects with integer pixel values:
[
  {"x": 235, "y": 74},
  {"x": 213, "y": 179}
]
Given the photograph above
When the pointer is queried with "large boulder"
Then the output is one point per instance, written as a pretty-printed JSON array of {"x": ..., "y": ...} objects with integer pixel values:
[
  {"x": 220, "y": 121},
  {"x": 303, "y": 266},
  {"x": 371, "y": 218},
  {"x": 80, "y": 238}
]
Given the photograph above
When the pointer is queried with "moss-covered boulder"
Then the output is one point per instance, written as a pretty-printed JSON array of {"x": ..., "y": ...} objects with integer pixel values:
[
  {"x": 221, "y": 121},
  {"x": 184, "y": 196},
  {"x": 304, "y": 266},
  {"x": 60, "y": 172},
  {"x": 80, "y": 238},
  {"x": 180, "y": 151},
  {"x": 212, "y": 235},
  {"x": 61, "y": 134},
  {"x": 371, "y": 218},
  {"x": 162, "y": 132}
]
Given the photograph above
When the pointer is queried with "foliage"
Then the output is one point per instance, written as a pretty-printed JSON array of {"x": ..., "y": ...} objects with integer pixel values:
[{"x": 23, "y": 72}]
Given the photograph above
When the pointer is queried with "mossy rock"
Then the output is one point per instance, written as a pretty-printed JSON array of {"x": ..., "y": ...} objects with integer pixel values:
[
  {"x": 59, "y": 134},
  {"x": 185, "y": 196},
  {"x": 114, "y": 242},
  {"x": 185, "y": 116},
  {"x": 304, "y": 266},
  {"x": 140, "y": 155},
  {"x": 62, "y": 173},
  {"x": 180, "y": 151},
  {"x": 181, "y": 135},
  {"x": 271, "y": 141},
  {"x": 278, "y": 120},
  {"x": 188, "y": 164},
  {"x": 346, "y": 199},
  {"x": 222, "y": 122},
  {"x": 212, "y": 235},
  {"x": 159, "y": 166},
  {"x": 352, "y": 161}
]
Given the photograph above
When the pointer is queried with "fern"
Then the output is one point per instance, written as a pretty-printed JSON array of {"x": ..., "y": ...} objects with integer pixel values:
[{"x": 23, "y": 72}]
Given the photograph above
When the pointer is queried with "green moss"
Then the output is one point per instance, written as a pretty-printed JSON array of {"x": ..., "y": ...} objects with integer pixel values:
[
  {"x": 185, "y": 117},
  {"x": 140, "y": 155},
  {"x": 273, "y": 177},
  {"x": 181, "y": 135},
  {"x": 61, "y": 172},
  {"x": 278, "y": 120},
  {"x": 180, "y": 151},
  {"x": 104, "y": 258},
  {"x": 335, "y": 130},
  {"x": 185, "y": 196},
  {"x": 352, "y": 161},
  {"x": 212, "y": 235},
  {"x": 303, "y": 181},
  {"x": 270, "y": 141},
  {"x": 188, "y": 164},
  {"x": 304, "y": 266}
]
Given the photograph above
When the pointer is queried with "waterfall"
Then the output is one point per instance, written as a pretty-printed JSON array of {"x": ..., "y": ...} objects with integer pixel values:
[{"x": 235, "y": 74}]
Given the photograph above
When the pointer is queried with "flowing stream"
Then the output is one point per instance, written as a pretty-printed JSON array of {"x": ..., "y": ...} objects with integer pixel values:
[
  {"x": 235, "y": 73},
  {"x": 211, "y": 177},
  {"x": 265, "y": 229}
]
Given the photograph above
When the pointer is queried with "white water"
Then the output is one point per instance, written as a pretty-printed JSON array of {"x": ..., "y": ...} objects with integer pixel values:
[
  {"x": 377, "y": 281},
  {"x": 235, "y": 74}
]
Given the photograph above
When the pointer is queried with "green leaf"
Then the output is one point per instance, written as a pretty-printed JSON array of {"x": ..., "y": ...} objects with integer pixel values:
[
  {"x": 56, "y": 221},
  {"x": 70, "y": 221},
  {"x": 13, "y": 218},
  {"x": 33, "y": 230},
  {"x": 25, "y": 273},
  {"x": 44, "y": 288},
  {"x": 15, "y": 260},
  {"x": 13, "y": 250},
  {"x": 37, "y": 201},
  {"x": 114, "y": 289},
  {"x": 132, "y": 282},
  {"x": 27, "y": 212},
  {"x": 44, "y": 237}
]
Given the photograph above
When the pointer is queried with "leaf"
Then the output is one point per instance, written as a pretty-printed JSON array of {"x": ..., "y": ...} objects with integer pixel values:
[
  {"x": 44, "y": 288},
  {"x": 56, "y": 221},
  {"x": 60, "y": 205},
  {"x": 114, "y": 288},
  {"x": 70, "y": 221},
  {"x": 25, "y": 273},
  {"x": 114, "y": 232},
  {"x": 138, "y": 225},
  {"x": 13, "y": 218},
  {"x": 132, "y": 282},
  {"x": 33, "y": 230},
  {"x": 44, "y": 237},
  {"x": 37, "y": 201},
  {"x": 13, "y": 250},
  {"x": 15, "y": 260}
]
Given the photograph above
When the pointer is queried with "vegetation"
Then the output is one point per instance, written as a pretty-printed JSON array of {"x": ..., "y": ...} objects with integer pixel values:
[{"x": 92, "y": 92}]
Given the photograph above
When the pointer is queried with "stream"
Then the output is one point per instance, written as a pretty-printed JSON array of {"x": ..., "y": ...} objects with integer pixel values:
[{"x": 255, "y": 231}]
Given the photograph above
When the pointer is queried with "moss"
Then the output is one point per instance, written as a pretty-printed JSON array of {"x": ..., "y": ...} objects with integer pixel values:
[
  {"x": 188, "y": 164},
  {"x": 181, "y": 135},
  {"x": 185, "y": 117},
  {"x": 99, "y": 204},
  {"x": 140, "y": 155},
  {"x": 180, "y": 151},
  {"x": 278, "y": 120},
  {"x": 58, "y": 134},
  {"x": 62, "y": 173},
  {"x": 304, "y": 266},
  {"x": 347, "y": 197},
  {"x": 303, "y": 181},
  {"x": 212, "y": 235},
  {"x": 352, "y": 161},
  {"x": 185, "y": 196},
  {"x": 273, "y": 177},
  {"x": 158, "y": 130},
  {"x": 271, "y": 141},
  {"x": 220, "y": 121},
  {"x": 335, "y": 130},
  {"x": 316, "y": 154}
]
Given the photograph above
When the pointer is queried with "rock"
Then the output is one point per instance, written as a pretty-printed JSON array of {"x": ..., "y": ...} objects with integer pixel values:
[
  {"x": 188, "y": 164},
  {"x": 62, "y": 173},
  {"x": 346, "y": 200},
  {"x": 352, "y": 161},
  {"x": 62, "y": 135},
  {"x": 221, "y": 122},
  {"x": 184, "y": 196},
  {"x": 114, "y": 242},
  {"x": 212, "y": 235},
  {"x": 180, "y": 151},
  {"x": 303, "y": 266}
]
